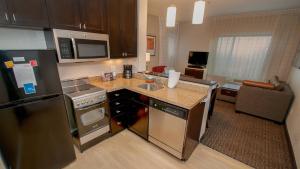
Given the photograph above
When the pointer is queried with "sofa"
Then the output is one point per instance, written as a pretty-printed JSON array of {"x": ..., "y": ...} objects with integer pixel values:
[{"x": 266, "y": 103}]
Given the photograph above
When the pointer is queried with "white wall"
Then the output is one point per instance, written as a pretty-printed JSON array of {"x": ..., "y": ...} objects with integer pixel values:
[
  {"x": 293, "y": 118},
  {"x": 191, "y": 37},
  {"x": 153, "y": 30}
]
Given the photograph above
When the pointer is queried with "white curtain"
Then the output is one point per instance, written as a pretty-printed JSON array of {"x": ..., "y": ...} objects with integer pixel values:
[
  {"x": 241, "y": 57},
  {"x": 284, "y": 28},
  {"x": 168, "y": 48}
]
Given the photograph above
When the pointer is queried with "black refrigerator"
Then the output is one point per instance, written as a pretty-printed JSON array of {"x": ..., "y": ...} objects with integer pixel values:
[{"x": 34, "y": 132}]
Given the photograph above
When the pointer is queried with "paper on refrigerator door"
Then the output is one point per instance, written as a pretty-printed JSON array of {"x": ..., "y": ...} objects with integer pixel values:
[{"x": 24, "y": 74}]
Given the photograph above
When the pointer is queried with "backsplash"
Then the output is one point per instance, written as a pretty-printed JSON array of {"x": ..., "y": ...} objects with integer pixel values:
[{"x": 90, "y": 69}]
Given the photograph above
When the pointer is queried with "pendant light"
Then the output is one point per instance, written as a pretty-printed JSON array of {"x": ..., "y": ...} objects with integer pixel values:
[
  {"x": 198, "y": 14},
  {"x": 171, "y": 16}
]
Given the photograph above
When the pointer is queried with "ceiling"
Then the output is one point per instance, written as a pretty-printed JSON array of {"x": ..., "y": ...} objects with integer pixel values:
[{"x": 218, "y": 7}]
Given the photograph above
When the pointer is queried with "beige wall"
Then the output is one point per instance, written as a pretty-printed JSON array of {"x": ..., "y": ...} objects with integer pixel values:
[
  {"x": 191, "y": 37},
  {"x": 294, "y": 115},
  {"x": 153, "y": 30}
]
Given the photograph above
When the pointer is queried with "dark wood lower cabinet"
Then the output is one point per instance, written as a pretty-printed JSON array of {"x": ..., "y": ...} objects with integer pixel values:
[
  {"x": 193, "y": 130},
  {"x": 129, "y": 110}
]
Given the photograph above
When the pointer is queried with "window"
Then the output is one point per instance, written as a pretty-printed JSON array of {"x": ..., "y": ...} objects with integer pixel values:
[{"x": 241, "y": 57}]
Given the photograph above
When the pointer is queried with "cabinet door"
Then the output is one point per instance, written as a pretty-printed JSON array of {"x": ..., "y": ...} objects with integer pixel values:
[
  {"x": 29, "y": 13},
  {"x": 94, "y": 15},
  {"x": 128, "y": 25},
  {"x": 137, "y": 119},
  {"x": 3, "y": 12},
  {"x": 114, "y": 29},
  {"x": 64, "y": 14}
]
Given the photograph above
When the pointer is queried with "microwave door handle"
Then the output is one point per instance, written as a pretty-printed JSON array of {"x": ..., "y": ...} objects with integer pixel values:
[{"x": 74, "y": 48}]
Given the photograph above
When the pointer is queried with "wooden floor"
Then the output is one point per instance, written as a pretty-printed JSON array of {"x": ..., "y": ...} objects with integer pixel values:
[{"x": 128, "y": 151}]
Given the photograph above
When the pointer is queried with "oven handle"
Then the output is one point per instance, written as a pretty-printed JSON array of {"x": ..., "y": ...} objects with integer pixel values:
[
  {"x": 74, "y": 48},
  {"x": 93, "y": 106}
]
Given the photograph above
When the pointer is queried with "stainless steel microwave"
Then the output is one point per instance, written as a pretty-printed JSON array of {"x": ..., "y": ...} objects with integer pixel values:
[{"x": 76, "y": 46}]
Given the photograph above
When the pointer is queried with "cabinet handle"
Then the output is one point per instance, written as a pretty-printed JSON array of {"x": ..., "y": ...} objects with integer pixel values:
[
  {"x": 80, "y": 26},
  {"x": 117, "y": 103},
  {"x": 118, "y": 111},
  {"x": 6, "y": 16},
  {"x": 117, "y": 95},
  {"x": 14, "y": 17},
  {"x": 84, "y": 27},
  {"x": 119, "y": 123}
]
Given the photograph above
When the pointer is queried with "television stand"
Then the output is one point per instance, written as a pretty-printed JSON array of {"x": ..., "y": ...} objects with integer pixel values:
[
  {"x": 199, "y": 73},
  {"x": 196, "y": 66}
]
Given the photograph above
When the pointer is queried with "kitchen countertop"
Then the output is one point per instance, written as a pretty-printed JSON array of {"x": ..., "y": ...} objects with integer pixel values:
[{"x": 185, "y": 95}]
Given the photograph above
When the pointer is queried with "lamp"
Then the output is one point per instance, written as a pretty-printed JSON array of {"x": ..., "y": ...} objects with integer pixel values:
[
  {"x": 171, "y": 16},
  {"x": 198, "y": 14}
]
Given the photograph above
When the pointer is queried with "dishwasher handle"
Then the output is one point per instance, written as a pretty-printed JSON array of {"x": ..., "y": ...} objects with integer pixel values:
[{"x": 169, "y": 108}]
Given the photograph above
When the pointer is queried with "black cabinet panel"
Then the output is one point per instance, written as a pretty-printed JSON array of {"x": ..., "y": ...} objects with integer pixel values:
[
  {"x": 28, "y": 13},
  {"x": 138, "y": 119}
]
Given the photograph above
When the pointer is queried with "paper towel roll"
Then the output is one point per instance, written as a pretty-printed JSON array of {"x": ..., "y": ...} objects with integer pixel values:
[{"x": 173, "y": 79}]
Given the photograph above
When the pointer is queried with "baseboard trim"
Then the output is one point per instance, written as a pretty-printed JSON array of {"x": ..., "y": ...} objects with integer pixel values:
[{"x": 291, "y": 151}]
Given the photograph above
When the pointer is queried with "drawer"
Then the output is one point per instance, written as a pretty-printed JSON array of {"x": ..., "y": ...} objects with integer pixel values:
[
  {"x": 118, "y": 111},
  {"x": 118, "y": 123},
  {"x": 227, "y": 92},
  {"x": 118, "y": 103},
  {"x": 118, "y": 94}
]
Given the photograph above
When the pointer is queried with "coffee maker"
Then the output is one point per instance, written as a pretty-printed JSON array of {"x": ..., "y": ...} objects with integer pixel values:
[{"x": 127, "y": 71}]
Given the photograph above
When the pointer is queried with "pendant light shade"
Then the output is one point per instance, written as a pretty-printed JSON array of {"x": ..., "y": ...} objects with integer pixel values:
[
  {"x": 171, "y": 16},
  {"x": 198, "y": 15}
]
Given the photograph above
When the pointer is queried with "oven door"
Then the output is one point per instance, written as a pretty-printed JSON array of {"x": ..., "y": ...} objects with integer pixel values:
[
  {"x": 91, "y": 50},
  {"x": 91, "y": 118}
]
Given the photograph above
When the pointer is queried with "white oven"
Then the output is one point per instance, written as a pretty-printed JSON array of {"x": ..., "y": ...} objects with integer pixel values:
[{"x": 76, "y": 46}]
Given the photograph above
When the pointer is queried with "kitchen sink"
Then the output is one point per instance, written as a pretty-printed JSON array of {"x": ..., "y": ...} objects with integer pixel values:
[{"x": 150, "y": 86}]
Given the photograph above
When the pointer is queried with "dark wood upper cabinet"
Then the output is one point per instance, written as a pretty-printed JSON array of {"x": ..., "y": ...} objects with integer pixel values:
[
  {"x": 94, "y": 15},
  {"x": 123, "y": 28},
  {"x": 114, "y": 29},
  {"x": 64, "y": 14},
  {"x": 81, "y": 15},
  {"x": 4, "y": 19},
  {"x": 28, "y": 13},
  {"x": 129, "y": 27}
]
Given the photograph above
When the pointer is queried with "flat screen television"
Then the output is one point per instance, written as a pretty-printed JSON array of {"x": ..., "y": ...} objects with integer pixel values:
[{"x": 198, "y": 59}]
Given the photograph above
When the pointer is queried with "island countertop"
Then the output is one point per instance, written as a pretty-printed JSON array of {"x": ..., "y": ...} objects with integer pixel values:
[{"x": 185, "y": 95}]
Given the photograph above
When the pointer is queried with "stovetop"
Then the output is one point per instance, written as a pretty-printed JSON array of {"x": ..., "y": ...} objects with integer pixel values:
[{"x": 80, "y": 87}]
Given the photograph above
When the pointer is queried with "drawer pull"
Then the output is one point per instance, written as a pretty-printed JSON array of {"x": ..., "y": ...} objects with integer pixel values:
[
  {"x": 118, "y": 111},
  {"x": 119, "y": 123},
  {"x": 117, "y": 94},
  {"x": 117, "y": 103}
]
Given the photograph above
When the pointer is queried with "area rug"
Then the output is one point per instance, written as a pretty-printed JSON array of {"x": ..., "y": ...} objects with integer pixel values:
[{"x": 259, "y": 143}]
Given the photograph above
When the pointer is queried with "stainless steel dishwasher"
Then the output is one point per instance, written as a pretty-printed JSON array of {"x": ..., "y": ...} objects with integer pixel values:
[{"x": 167, "y": 126}]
